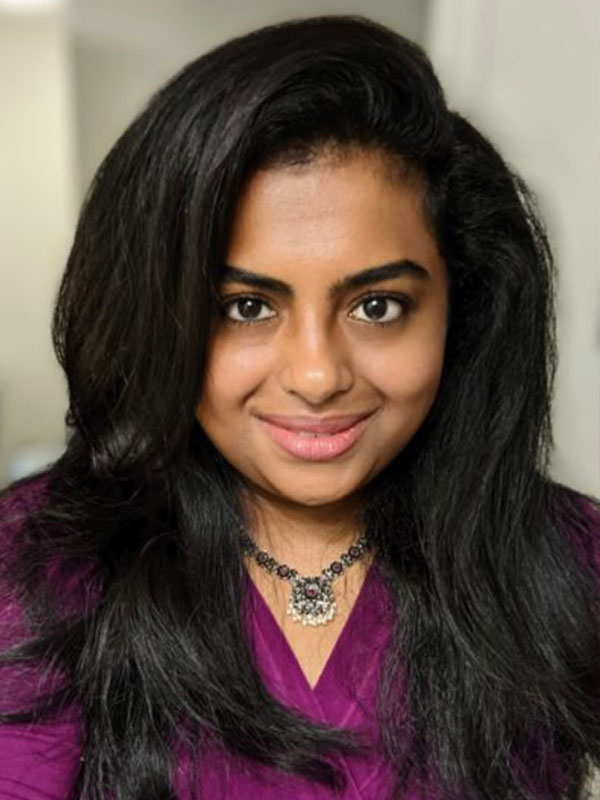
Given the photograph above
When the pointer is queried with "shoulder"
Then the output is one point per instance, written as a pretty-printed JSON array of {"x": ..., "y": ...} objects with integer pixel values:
[
  {"x": 46, "y": 556},
  {"x": 591, "y": 514},
  {"x": 20, "y": 499},
  {"x": 579, "y": 517},
  {"x": 18, "y": 502},
  {"x": 40, "y": 760},
  {"x": 590, "y": 510}
]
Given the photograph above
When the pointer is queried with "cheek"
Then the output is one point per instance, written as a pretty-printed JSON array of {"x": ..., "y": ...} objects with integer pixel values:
[
  {"x": 232, "y": 374},
  {"x": 408, "y": 373}
]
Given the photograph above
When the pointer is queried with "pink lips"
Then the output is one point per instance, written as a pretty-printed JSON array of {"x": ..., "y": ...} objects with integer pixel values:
[{"x": 314, "y": 439}]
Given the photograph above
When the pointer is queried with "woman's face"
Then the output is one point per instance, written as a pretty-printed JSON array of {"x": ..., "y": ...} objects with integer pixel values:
[{"x": 334, "y": 304}]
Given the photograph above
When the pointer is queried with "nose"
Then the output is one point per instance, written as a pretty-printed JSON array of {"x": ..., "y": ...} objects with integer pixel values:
[{"x": 315, "y": 364}]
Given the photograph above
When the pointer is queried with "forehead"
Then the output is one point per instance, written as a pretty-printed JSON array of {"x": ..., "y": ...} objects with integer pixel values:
[{"x": 330, "y": 214}]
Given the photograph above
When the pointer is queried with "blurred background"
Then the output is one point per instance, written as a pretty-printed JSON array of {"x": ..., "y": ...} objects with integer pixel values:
[{"x": 73, "y": 75}]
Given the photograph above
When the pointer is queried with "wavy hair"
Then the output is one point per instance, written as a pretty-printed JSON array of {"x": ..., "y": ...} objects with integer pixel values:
[{"x": 492, "y": 675}]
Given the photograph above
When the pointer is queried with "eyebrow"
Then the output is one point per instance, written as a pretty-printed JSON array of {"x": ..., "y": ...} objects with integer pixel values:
[{"x": 382, "y": 272}]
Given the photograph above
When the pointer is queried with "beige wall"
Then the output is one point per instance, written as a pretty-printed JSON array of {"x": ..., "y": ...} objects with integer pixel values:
[
  {"x": 135, "y": 45},
  {"x": 37, "y": 211},
  {"x": 528, "y": 73}
]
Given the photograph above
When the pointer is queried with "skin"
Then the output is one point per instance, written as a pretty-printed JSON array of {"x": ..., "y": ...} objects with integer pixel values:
[{"x": 310, "y": 226}]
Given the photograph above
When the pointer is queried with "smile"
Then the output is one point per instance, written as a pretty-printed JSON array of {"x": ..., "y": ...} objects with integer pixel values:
[{"x": 313, "y": 445}]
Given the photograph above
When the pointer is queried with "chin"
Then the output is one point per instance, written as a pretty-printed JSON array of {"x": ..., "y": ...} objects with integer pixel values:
[{"x": 318, "y": 497}]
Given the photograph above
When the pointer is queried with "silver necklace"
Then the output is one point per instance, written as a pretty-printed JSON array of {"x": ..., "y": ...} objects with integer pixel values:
[{"x": 312, "y": 601}]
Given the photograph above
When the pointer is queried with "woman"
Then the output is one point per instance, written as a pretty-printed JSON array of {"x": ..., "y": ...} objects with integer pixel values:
[{"x": 303, "y": 541}]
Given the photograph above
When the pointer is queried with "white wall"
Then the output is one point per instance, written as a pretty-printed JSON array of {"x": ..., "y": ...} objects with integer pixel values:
[
  {"x": 36, "y": 219},
  {"x": 124, "y": 50},
  {"x": 528, "y": 74}
]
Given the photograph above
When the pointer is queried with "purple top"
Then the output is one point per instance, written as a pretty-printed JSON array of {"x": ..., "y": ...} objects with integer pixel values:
[
  {"x": 344, "y": 695},
  {"x": 40, "y": 762}
]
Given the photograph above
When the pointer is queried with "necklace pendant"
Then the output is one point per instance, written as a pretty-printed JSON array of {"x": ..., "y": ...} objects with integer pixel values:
[{"x": 312, "y": 601}]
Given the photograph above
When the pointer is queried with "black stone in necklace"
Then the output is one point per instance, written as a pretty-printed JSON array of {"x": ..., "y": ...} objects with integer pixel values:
[{"x": 312, "y": 601}]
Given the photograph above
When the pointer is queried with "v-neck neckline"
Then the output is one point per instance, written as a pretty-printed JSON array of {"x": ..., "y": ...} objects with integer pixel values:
[
  {"x": 276, "y": 630},
  {"x": 345, "y": 694}
]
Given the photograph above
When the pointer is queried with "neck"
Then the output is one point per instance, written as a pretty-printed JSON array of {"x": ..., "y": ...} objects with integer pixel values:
[{"x": 305, "y": 538}]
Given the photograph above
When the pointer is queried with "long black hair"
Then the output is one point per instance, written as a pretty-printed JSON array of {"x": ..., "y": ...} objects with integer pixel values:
[{"x": 493, "y": 670}]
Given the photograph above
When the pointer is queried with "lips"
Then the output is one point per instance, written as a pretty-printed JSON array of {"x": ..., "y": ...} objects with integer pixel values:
[
  {"x": 313, "y": 439},
  {"x": 315, "y": 425}
]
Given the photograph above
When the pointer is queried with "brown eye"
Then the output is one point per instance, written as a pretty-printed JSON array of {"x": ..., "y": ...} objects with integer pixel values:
[
  {"x": 245, "y": 310},
  {"x": 382, "y": 308}
]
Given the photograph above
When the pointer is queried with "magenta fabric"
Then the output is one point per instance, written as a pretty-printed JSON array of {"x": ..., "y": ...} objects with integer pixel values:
[
  {"x": 40, "y": 762},
  {"x": 344, "y": 695}
]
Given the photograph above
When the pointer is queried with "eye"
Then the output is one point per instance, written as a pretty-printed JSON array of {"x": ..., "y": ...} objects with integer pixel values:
[
  {"x": 245, "y": 310},
  {"x": 382, "y": 309}
]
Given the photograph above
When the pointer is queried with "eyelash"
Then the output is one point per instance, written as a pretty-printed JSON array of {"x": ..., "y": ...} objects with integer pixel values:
[{"x": 405, "y": 302}]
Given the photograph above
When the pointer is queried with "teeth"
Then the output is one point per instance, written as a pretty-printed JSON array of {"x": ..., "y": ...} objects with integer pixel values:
[{"x": 311, "y": 435}]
